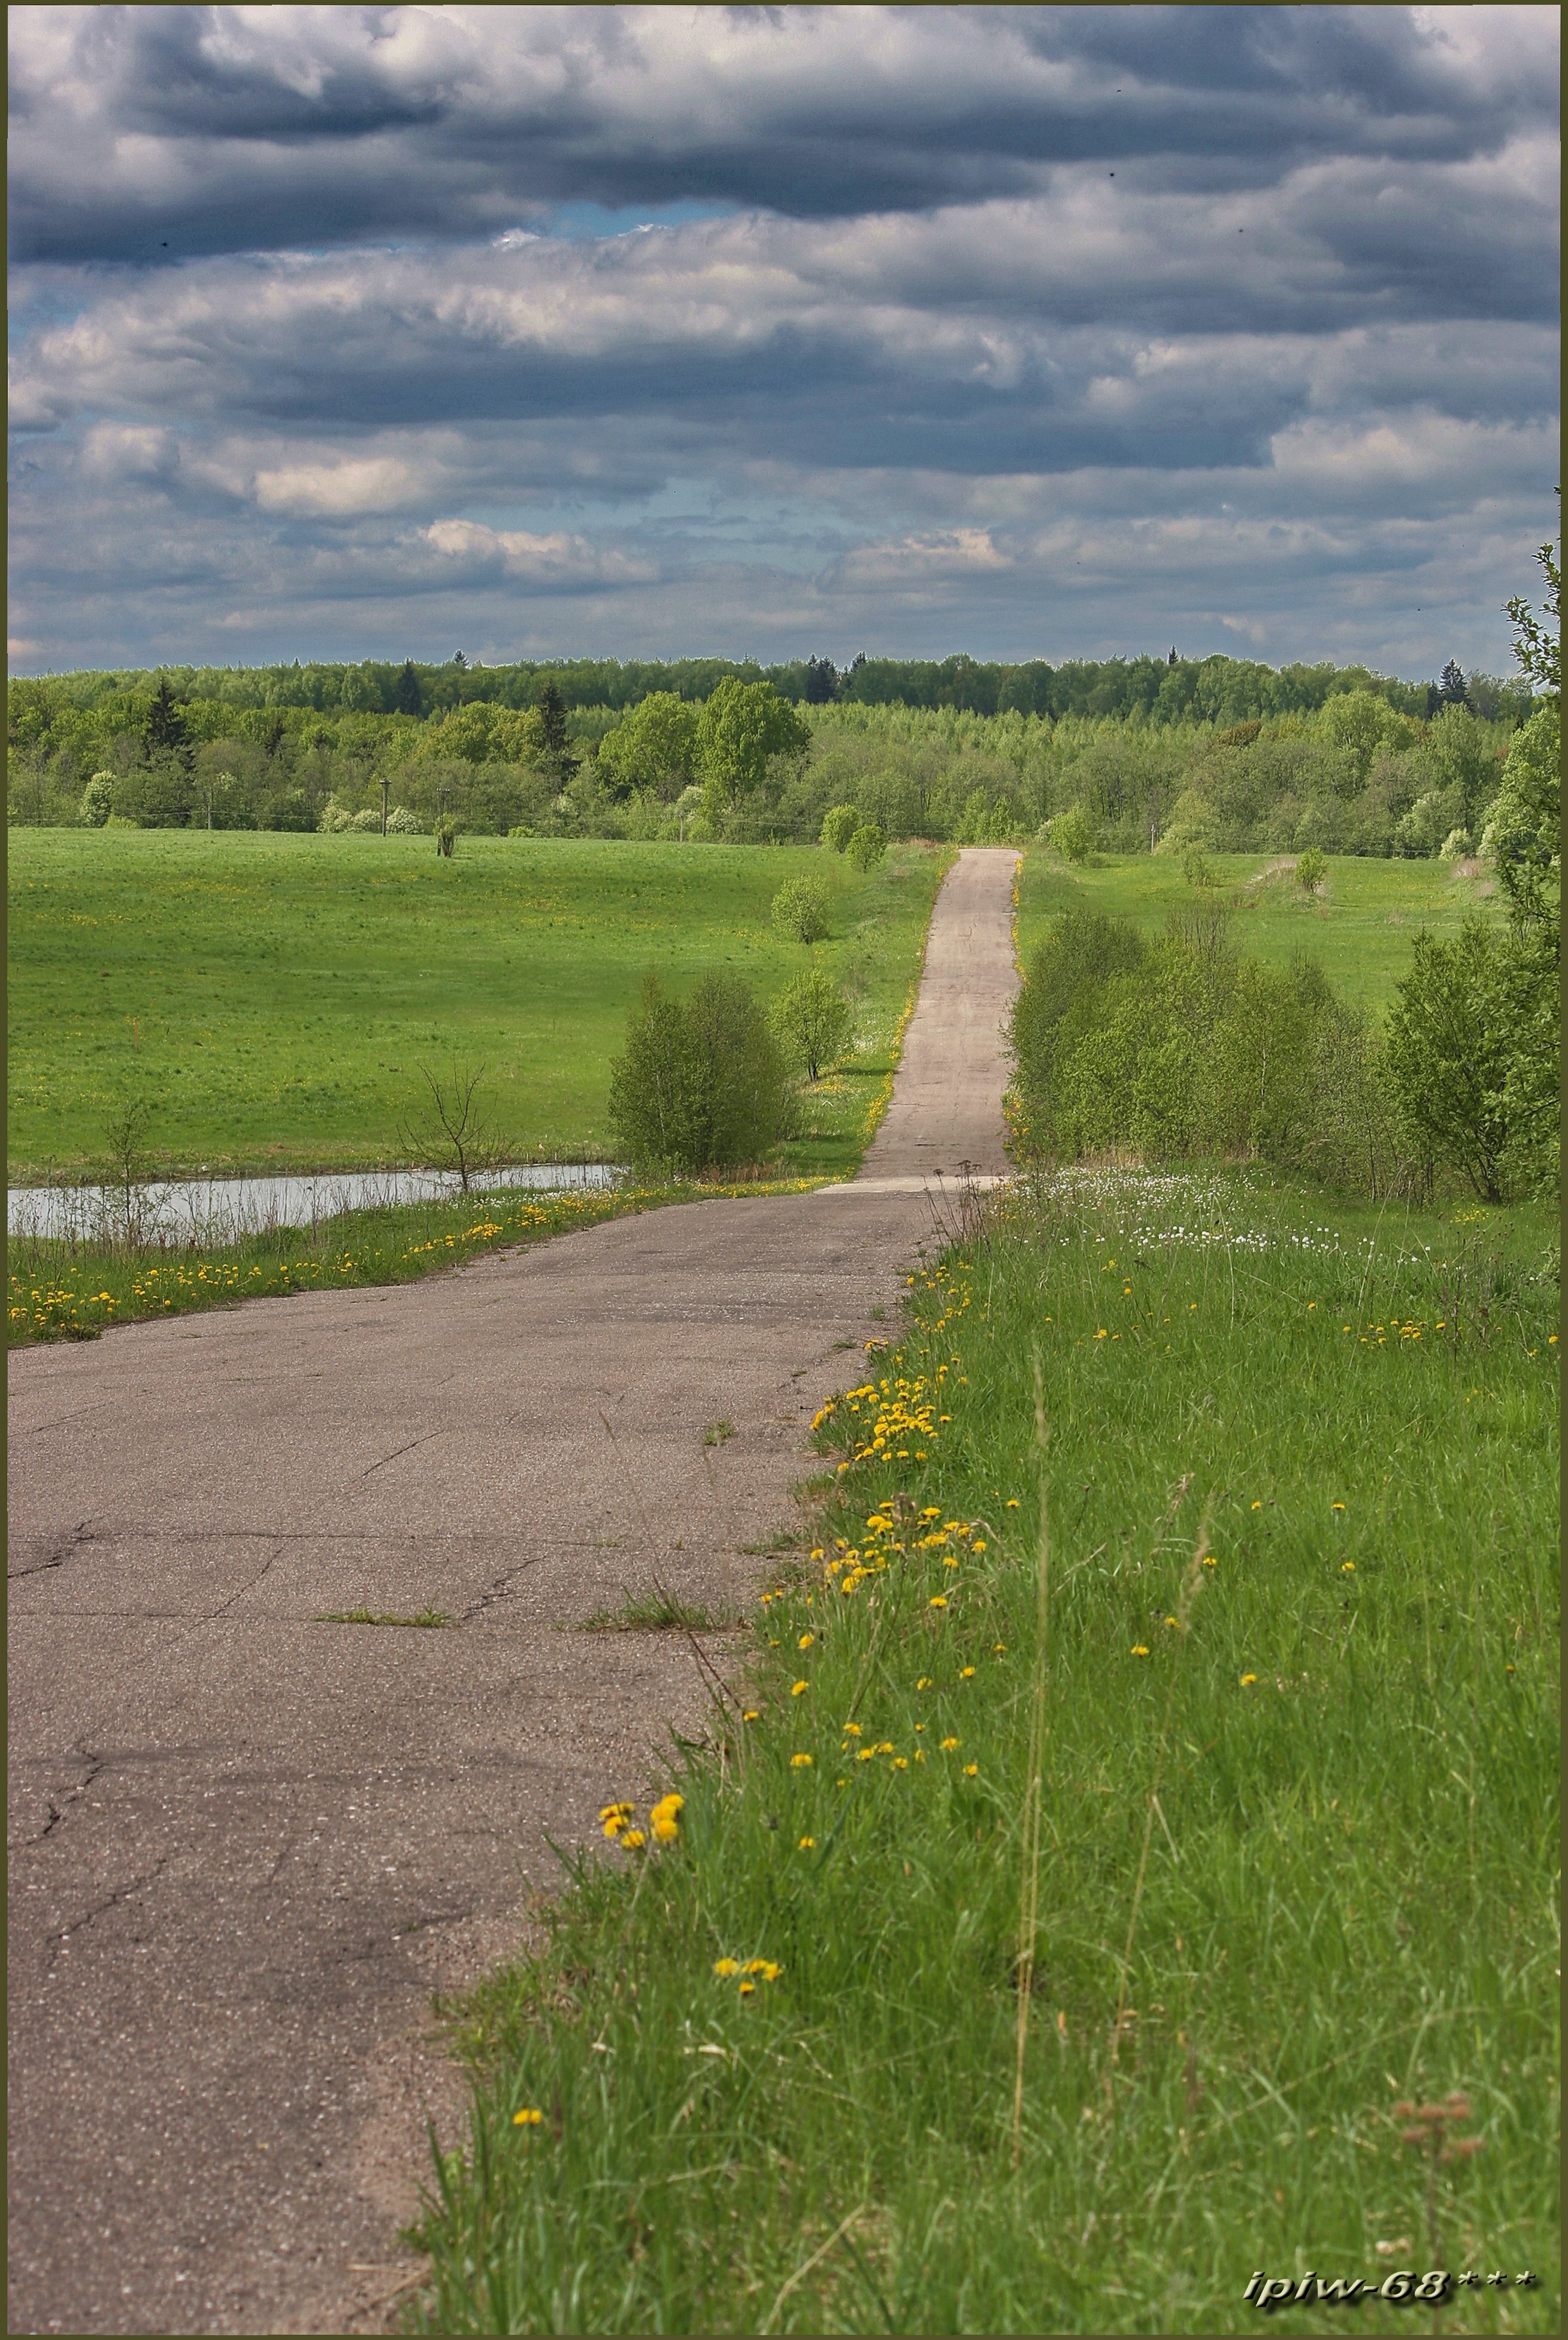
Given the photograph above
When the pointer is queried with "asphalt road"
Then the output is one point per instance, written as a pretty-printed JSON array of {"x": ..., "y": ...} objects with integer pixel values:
[{"x": 246, "y": 1844}]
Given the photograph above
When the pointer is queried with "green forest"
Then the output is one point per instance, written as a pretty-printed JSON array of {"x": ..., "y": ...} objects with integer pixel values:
[{"x": 1135, "y": 755}]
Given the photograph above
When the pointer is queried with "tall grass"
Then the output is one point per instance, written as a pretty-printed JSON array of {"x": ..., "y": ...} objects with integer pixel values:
[{"x": 1296, "y": 1805}]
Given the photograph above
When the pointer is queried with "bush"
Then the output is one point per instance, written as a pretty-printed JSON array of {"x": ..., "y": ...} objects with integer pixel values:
[
  {"x": 799, "y": 909},
  {"x": 1072, "y": 833},
  {"x": 1195, "y": 867},
  {"x": 1457, "y": 846},
  {"x": 867, "y": 845},
  {"x": 1449, "y": 1039},
  {"x": 702, "y": 1083},
  {"x": 401, "y": 822},
  {"x": 838, "y": 826},
  {"x": 98, "y": 800},
  {"x": 1182, "y": 1048},
  {"x": 813, "y": 1021},
  {"x": 1311, "y": 869}
]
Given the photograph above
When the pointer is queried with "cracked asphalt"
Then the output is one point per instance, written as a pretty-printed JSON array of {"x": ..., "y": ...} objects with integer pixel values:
[{"x": 247, "y": 1845}]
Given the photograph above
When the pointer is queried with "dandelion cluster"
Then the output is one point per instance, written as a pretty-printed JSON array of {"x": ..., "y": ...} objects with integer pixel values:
[
  {"x": 617, "y": 1820},
  {"x": 888, "y": 1538},
  {"x": 747, "y": 1973}
]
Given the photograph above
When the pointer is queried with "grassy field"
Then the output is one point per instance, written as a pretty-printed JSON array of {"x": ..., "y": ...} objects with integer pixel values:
[
  {"x": 272, "y": 996},
  {"x": 1360, "y": 928},
  {"x": 847, "y": 2053}
]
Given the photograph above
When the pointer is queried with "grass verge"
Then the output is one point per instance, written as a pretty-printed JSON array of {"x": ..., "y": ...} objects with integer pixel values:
[
  {"x": 1052, "y": 1933},
  {"x": 59, "y": 1291}
]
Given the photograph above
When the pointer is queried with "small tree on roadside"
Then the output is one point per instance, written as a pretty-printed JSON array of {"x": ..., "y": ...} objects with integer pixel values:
[
  {"x": 866, "y": 846},
  {"x": 799, "y": 909},
  {"x": 813, "y": 1021},
  {"x": 1311, "y": 868},
  {"x": 1448, "y": 1051},
  {"x": 458, "y": 1125},
  {"x": 1072, "y": 833},
  {"x": 838, "y": 826},
  {"x": 703, "y": 1083}
]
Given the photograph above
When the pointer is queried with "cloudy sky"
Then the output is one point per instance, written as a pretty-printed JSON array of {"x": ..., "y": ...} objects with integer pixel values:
[{"x": 363, "y": 332}]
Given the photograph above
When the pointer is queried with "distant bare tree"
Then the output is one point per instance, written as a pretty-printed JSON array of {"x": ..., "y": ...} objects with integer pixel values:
[{"x": 460, "y": 1124}]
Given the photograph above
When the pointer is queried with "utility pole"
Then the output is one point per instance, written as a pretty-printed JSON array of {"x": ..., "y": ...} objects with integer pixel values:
[{"x": 386, "y": 784}]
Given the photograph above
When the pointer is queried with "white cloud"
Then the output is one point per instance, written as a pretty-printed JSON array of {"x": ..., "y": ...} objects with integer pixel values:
[
  {"x": 554, "y": 559},
  {"x": 335, "y": 490}
]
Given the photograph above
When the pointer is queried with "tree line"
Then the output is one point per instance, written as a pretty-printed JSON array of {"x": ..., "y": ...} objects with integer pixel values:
[{"x": 1353, "y": 772}]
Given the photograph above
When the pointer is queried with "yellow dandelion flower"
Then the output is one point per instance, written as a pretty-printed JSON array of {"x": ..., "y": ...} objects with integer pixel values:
[
  {"x": 949, "y": 1743},
  {"x": 750, "y": 1715},
  {"x": 800, "y": 1762},
  {"x": 725, "y": 1968},
  {"x": 901, "y": 1762},
  {"x": 998, "y": 1649},
  {"x": 937, "y": 1601},
  {"x": 796, "y": 1687},
  {"x": 808, "y": 1844},
  {"x": 864, "y": 1754},
  {"x": 1337, "y": 1507},
  {"x": 972, "y": 1770},
  {"x": 965, "y": 1672},
  {"x": 748, "y": 1989},
  {"x": 924, "y": 1683},
  {"x": 632, "y": 1838},
  {"x": 1257, "y": 1506},
  {"x": 1247, "y": 1678},
  {"x": 1139, "y": 1650},
  {"x": 805, "y": 1641},
  {"x": 1348, "y": 1567},
  {"x": 529, "y": 2117}
]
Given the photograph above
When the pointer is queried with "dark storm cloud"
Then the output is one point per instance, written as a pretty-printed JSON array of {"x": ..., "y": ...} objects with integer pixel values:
[
  {"x": 1035, "y": 328},
  {"x": 211, "y": 129}
]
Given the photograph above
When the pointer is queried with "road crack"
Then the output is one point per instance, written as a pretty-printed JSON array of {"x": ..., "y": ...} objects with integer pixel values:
[
  {"x": 80, "y": 1534},
  {"x": 64, "y": 1934}
]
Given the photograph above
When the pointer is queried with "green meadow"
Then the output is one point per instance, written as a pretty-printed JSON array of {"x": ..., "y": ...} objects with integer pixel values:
[
  {"x": 1358, "y": 927},
  {"x": 271, "y": 997}
]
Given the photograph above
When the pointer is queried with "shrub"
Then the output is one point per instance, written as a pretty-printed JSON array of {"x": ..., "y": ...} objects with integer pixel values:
[
  {"x": 1311, "y": 869},
  {"x": 1448, "y": 1051},
  {"x": 1182, "y": 1048},
  {"x": 867, "y": 845},
  {"x": 838, "y": 826},
  {"x": 336, "y": 817},
  {"x": 366, "y": 822},
  {"x": 1195, "y": 867},
  {"x": 799, "y": 909},
  {"x": 1456, "y": 846},
  {"x": 98, "y": 800},
  {"x": 813, "y": 1021},
  {"x": 1072, "y": 833},
  {"x": 401, "y": 822},
  {"x": 702, "y": 1083}
]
